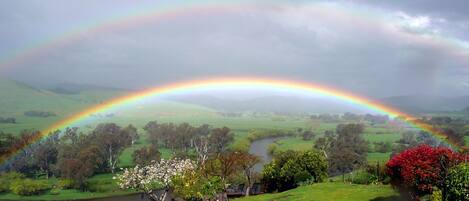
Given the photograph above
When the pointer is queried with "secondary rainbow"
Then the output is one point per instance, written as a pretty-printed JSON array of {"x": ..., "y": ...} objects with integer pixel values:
[
  {"x": 242, "y": 82},
  {"x": 158, "y": 13}
]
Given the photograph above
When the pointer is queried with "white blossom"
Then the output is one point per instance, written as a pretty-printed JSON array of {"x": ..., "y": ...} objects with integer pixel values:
[{"x": 157, "y": 174}]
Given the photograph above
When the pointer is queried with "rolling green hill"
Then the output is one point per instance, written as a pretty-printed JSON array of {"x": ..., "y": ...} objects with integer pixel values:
[{"x": 17, "y": 98}]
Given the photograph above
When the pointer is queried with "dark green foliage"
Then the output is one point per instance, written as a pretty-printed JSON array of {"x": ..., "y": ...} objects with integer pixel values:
[
  {"x": 288, "y": 169},
  {"x": 457, "y": 182},
  {"x": 347, "y": 151},
  {"x": 29, "y": 187},
  {"x": 308, "y": 135},
  {"x": 101, "y": 186}
]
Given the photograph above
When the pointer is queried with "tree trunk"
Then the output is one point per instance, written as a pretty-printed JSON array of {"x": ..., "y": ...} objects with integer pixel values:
[
  {"x": 155, "y": 197},
  {"x": 110, "y": 160}
]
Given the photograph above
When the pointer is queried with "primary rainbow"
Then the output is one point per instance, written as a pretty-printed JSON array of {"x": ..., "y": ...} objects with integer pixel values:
[{"x": 237, "y": 82}]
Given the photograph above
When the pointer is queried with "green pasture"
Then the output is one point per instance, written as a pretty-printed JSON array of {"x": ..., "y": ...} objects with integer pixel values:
[{"x": 330, "y": 191}]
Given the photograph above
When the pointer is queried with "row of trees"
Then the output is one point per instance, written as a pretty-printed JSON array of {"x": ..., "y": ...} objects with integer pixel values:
[
  {"x": 7, "y": 120},
  {"x": 70, "y": 155},
  {"x": 183, "y": 138}
]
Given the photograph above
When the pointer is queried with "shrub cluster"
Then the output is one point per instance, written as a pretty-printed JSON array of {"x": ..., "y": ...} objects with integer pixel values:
[
  {"x": 29, "y": 187},
  {"x": 292, "y": 168},
  {"x": 7, "y": 178}
]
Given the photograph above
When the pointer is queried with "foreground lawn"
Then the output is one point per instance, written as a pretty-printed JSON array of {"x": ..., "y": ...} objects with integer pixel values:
[
  {"x": 331, "y": 191},
  {"x": 64, "y": 195}
]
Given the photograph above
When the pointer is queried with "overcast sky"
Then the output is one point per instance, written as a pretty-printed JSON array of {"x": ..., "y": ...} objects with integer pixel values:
[{"x": 375, "y": 48}]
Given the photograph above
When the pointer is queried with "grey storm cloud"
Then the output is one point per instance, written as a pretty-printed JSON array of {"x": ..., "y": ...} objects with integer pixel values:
[{"x": 373, "y": 48}]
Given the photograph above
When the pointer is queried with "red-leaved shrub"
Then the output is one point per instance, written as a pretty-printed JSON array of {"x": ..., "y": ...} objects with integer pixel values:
[{"x": 416, "y": 171}]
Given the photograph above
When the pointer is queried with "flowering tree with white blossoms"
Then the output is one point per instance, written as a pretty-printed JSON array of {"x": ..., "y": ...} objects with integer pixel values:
[{"x": 154, "y": 179}]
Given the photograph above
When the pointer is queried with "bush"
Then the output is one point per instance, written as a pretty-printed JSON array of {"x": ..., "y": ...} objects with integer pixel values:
[
  {"x": 292, "y": 168},
  {"x": 379, "y": 171},
  {"x": 457, "y": 182},
  {"x": 416, "y": 171},
  {"x": 65, "y": 184},
  {"x": 29, "y": 187},
  {"x": 363, "y": 177},
  {"x": 7, "y": 178}
]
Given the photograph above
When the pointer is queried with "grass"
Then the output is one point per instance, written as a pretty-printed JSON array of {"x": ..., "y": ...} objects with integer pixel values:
[
  {"x": 102, "y": 184},
  {"x": 70, "y": 194},
  {"x": 374, "y": 157},
  {"x": 329, "y": 191}
]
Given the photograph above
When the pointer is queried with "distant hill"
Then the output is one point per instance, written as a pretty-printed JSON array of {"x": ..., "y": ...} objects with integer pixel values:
[
  {"x": 427, "y": 103},
  {"x": 270, "y": 104},
  {"x": 17, "y": 98},
  {"x": 73, "y": 88},
  {"x": 410, "y": 103}
]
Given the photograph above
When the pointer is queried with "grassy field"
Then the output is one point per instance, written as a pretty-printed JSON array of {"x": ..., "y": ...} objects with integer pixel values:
[{"x": 330, "y": 191}]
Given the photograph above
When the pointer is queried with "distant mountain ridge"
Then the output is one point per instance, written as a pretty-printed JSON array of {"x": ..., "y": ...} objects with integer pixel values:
[
  {"x": 408, "y": 103},
  {"x": 427, "y": 103},
  {"x": 73, "y": 88}
]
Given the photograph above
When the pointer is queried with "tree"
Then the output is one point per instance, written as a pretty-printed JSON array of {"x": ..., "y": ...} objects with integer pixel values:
[
  {"x": 290, "y": 168},
  {"x": 201, "y": 146},
  {"x": 247, "y": 161},
  {"x": 308, "y": 135},
  {"x": 416, "y": 171},
  {"x": 113, "y": 139},
  {"x": 46, "y": 153},
  {"x": 151, "y": 177},
  {"x": 195, "y": 185},
  {"x": 131, "y": 131},
  {"x": 146, "y": 155},
  {"x": 220, "y": 138},
  {"x": 152, "y": 129},
  {"x": 348, "y": 150}
]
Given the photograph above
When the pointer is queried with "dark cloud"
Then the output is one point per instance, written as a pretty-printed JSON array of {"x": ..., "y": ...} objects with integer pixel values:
[{"x": 392, "y": 49}]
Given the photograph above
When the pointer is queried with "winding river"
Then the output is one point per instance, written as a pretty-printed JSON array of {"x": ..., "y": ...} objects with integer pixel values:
[{"x": 259, "y": 148}]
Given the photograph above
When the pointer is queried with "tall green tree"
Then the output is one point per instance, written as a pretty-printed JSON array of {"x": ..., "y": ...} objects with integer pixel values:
[{"x": 347, "y": 151}]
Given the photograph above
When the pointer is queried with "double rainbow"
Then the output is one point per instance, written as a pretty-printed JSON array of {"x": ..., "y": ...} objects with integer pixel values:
[{"x": 227, "y": 83}]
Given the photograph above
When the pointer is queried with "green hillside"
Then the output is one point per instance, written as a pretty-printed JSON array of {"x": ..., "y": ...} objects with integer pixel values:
[
  {"x": 331, "y": 191},
  {"x": 17, "y": 98}
]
